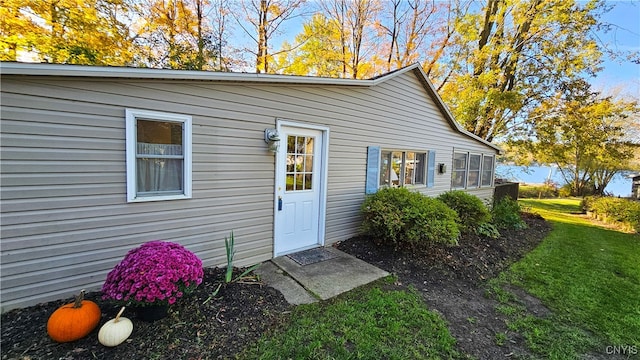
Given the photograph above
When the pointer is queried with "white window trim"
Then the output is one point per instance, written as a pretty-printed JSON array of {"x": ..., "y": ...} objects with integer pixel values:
[{"x": 131, "y": 117}]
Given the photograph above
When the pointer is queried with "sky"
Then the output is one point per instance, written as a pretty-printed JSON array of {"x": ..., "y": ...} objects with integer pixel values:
[
  {"x": 624, "y": 36},
  {"x": 616, "y": 75}
]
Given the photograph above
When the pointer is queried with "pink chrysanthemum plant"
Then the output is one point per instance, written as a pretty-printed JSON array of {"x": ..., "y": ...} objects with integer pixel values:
[{"x": 156, "y": 273}]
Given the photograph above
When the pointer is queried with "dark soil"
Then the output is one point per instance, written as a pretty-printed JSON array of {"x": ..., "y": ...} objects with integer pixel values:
[{"x": 450, "y": 278}]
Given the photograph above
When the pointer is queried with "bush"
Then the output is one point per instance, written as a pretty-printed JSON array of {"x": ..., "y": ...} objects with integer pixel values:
[
  {"x": 565, "y": 191},
  {"x": 470, "y": 209},
  {"x": 614, "y": 210},
  {"x": 405, "y": 218},
  {"x": 488, "y": 230},
  {"x": 505, "y": 214}
]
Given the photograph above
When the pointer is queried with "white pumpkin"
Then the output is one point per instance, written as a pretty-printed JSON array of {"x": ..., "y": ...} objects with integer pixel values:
[{"x": 115, "y": 331}]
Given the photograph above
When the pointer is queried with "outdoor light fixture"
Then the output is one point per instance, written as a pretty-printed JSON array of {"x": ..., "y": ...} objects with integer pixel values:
[
  {"x": 272, "y": 138},
  {"x": 442, "y": 168}
]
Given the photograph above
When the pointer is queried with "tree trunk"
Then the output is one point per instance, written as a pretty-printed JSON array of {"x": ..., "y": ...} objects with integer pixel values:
[
  {"x": 261, "y": 60},
  {"x": 393, "y": 33}
]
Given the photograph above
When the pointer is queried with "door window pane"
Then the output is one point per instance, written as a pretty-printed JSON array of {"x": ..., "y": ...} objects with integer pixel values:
[
  {"x": 299, "y": 167},
  {"x": 308, "y": 181},
  {"x": 290, "y": 164},
  {"x": 289, "y": 180},
  {"x": 291, "y": 145}
]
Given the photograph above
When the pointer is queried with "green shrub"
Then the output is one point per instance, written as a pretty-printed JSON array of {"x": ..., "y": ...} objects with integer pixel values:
[
  {"x": 565, "y": 191},
  {"x": 470, "y": 209},
  {"x": 505, "y": 214},
  {"x": 405, "y": 218},
  {"x": 488, "y": 230},
  {"x": 587, "y": 203},
  {"x": 614, "y": 210}
]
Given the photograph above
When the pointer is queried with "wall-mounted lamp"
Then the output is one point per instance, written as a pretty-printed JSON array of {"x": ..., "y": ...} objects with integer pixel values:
[
  {"x": 442, "y": 168},
  {"x": 272, "y": 138}
]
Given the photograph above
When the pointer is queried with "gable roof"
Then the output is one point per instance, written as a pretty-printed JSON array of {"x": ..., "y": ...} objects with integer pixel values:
[{"x": 44, "y": 69}]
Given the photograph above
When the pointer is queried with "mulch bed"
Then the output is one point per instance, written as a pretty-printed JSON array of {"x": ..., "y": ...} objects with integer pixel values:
[
  {"x": 235, "y": 317},
  {"x": 452, "y": 281},
  {"x": 475, "y": 259},
  {"x": 450, "y": 278}
]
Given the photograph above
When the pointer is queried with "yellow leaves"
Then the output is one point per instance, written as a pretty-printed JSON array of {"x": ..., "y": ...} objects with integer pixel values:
[
  {"x": 317, "y": 50},
  {"x": 64, "y": 31},
  {"x": 18, "y": 30}
]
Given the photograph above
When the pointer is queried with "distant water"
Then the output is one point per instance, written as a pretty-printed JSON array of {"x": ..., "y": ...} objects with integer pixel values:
[{"x": 620, "y": 185}]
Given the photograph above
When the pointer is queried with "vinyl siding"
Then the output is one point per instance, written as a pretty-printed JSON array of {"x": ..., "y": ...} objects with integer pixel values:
[{"x": 65, "y": 219}]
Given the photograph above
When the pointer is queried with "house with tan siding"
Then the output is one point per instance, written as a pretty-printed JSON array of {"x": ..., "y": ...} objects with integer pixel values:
[{"x": 98, "y": 160}]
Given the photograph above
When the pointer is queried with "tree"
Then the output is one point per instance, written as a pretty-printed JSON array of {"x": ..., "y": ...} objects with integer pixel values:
[
  {"x": 354, "y": 19},
  {"x": 18, "y": 32},
  {"x": 407, "y": 28},
  {"x": 317, "y": 50},
  {"x": 175, "y": 34},
  {"x": 207, "y": 51},
  {"x": 584, "y": 135},
  {"x": 514, "y": 55},
  {"x": 89, "y": 32},
  {"x": 221, "y": 31},
  {"x": 266, "y": 17}
]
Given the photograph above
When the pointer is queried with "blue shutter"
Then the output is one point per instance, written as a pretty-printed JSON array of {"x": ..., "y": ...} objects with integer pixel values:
[
  {"x": 373, "y": 169},
  {"x": 431, "y": 169}
]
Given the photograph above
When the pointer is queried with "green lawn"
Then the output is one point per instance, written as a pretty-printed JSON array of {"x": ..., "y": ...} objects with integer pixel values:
[
  {"x": 587, "y": 275},
  {"x": 372, "y": 322}
]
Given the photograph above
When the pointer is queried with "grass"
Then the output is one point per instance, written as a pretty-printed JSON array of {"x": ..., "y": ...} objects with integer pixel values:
[
  {"x": 587, "y": 275},
  {"x": 372, "y": 322},
  {"x": 556, "y": 209},
  {"x": 537, "y": 191}
]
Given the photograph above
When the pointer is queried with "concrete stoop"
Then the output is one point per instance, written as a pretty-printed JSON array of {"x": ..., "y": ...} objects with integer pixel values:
[{"x": 305, "y": 284}]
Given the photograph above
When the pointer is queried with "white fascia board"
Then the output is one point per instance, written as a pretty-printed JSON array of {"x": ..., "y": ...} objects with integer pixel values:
[
  {"x": 38, "y": 69},
  {"x": 395, "y": 73}
]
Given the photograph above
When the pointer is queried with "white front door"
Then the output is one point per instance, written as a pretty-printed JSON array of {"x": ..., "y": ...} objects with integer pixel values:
[{"x": 300, "y": 177}]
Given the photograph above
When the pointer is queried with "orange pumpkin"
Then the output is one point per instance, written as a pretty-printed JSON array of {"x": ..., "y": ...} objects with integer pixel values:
[{"x": 74, "y": 321}]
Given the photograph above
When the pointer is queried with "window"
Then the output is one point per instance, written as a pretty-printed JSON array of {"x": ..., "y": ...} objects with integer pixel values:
[
  {"x": 487, "y": 170},
  {"x": 400, "y": 168},
  {"x": 472, "y": 170},
  {"x": 459, "y": 170},
  {"x": 415, "y": 166},
  {"x": 158, "y": 156},
  {"x": 387, "y": 168},
  {"x": 473, "y": 175}
]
